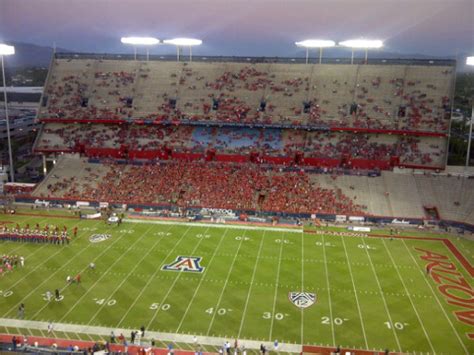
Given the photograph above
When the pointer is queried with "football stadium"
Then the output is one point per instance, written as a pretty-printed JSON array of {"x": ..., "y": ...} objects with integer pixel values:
[{"x": 207, "y": 204}]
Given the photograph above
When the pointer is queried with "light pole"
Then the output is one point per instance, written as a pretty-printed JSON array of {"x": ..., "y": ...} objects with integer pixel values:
[
  {"x": 184, "y": 42},
  {"x": 365, "y": 44},
  {"x": 140, "y": 41},
  {"x": 470, "y": 61},
  {"x": 315, "y": 43},
  {"x": 7, "y": 50}
]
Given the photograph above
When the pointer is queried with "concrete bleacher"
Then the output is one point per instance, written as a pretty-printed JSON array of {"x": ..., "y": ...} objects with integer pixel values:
[{"x": 378, "y": 90}]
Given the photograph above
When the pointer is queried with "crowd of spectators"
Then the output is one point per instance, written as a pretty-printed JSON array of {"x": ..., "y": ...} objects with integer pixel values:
[
  {"x": 244, "y": 141},
  {"x": 227, "y": 186},
  {"x": 251, "y": 94}
]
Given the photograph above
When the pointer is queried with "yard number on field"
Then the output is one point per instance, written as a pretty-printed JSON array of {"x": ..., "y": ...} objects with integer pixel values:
[
  {"x": 277, "y": 316},
  {"x": 396, "y": 325},
  {"x": 156, "y": 306},
  {"x": 337, "y": 321},
  {"x": 220, "y": 311},
  {"x": 365, "y": 246},
  {"x": 103, "y": 301},
  {"x": 203, "y": 236},
  {"x": 6, "y": 293},
  {"x": 242, "y": 238}
]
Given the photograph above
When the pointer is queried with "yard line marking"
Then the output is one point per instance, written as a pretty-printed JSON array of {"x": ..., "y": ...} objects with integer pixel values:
[
  {"x": 383, "y": 297},
  {"x": 151, "y": 279},
  {"x": 129, "y": 274},
  {"x": 409, "y": 297},
  {"x": 436, "y": 297},
  {"x": 302, "y": 286},
  {"x": 176, "y": 278},
  {"x": 50, "y": 276},
  {"x": 251, "y": 284},
  {"x": 276, "y": 289},
  {"x": 200, "y": 283},
  {"x": 105, "y": 273},
  {"x": 355, "y": 293},
  {"x": 329, "y": 292},
  {"x": 225, "y": 285}
]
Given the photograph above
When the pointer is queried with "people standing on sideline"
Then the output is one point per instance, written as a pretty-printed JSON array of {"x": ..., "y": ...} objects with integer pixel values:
[{"x": 21, "y": 311}]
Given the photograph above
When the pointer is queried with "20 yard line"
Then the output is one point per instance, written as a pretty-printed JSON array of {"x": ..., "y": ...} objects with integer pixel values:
[
  {"x": 225, "y": 285},
  {"x": 200, "y": 283},
  {"x": 355, "y": 293},
  {"x": 437, "y": 299},
  {"x": 409, "y": 296},
  {"x": 383, "y": 297},
  {"x": 251, "y": 284},
  {"x": 329, "y": 292},
  {"x": 276, "y": 288}
]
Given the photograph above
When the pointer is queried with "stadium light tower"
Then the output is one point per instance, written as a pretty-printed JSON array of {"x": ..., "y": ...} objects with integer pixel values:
[
  {"x": 184, "y": 42},
  {"x": 470, "y": 61},
  {"x": 315, "y": 43},
  {"x": 7, "y": 50},
  {"x": 361, "y": 43},
  {"x": 140, "y": 41}
]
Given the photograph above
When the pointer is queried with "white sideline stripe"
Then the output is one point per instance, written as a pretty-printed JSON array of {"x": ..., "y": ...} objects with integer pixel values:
[
  {"x": 383, "y": 296},
  {"x": 200, "y": 283},
  {"x": 329, "y": 293},
  {"x": 251, "y": 284},
  {"x": 409, "y": 297},
  {"x": 355, "y": 293},
  {"x": 211, "y": 225},
  {"x": 162, "y": 336},
  {"x": 437, "y": 299}
]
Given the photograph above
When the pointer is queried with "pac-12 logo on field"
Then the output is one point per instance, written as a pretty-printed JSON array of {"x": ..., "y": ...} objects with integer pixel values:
[
  {"x": 185, "y": 263},
  {"x": 302, "y": 299}
]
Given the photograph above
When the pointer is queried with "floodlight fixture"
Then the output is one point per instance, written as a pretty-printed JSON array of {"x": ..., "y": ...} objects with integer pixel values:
[
  {"x": 470, "y": 60},
  {"x": 365, "y": 44},
  {"x": 184, "y": 42},
  {"x": 140, "y": 41},
  {"x": 315, "y": 43},
  {"x": 7, "y": 50}
]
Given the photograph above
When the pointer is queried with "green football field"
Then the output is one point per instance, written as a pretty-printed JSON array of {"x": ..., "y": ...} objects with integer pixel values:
[{"x": 370, "y": 292}]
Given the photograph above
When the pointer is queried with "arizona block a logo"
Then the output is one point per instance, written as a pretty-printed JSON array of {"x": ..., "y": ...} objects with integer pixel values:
[{"x": 185, "y": 263}]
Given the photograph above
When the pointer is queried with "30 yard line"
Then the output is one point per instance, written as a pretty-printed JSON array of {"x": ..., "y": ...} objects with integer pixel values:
[
  {"x": 251, "y": 284},
  {"x": 302, "y": 287},
  {"x": 200, "y": 283},
  {"x": 329, "y": 293},
  {"x": 177, "y": 277},
  {"x": 276, "y": 288},
  {"x": 50, "y": 276},
  {"x": 355, "y": 293},
  {"x": 381, "y": 293},
  {"x": 225, "y": 285},
  {"x": 437, "y": 299}
]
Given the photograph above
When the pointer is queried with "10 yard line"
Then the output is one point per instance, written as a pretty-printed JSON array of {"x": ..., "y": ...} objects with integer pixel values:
[
  {"x": 329, "y": 293},
  {"x": 383, "y": 297},
  {"x": 251, "y": 284},
  {"x": 409, "y": 297},
  {"x": 355, "y": 293}
]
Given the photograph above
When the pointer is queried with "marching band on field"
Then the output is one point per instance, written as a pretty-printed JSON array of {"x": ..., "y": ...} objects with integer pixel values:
[{"x": 48, "y": 234}]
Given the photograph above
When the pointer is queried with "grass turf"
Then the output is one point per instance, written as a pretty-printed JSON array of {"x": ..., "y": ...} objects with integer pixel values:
[{"x": 371, "y": 293}]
